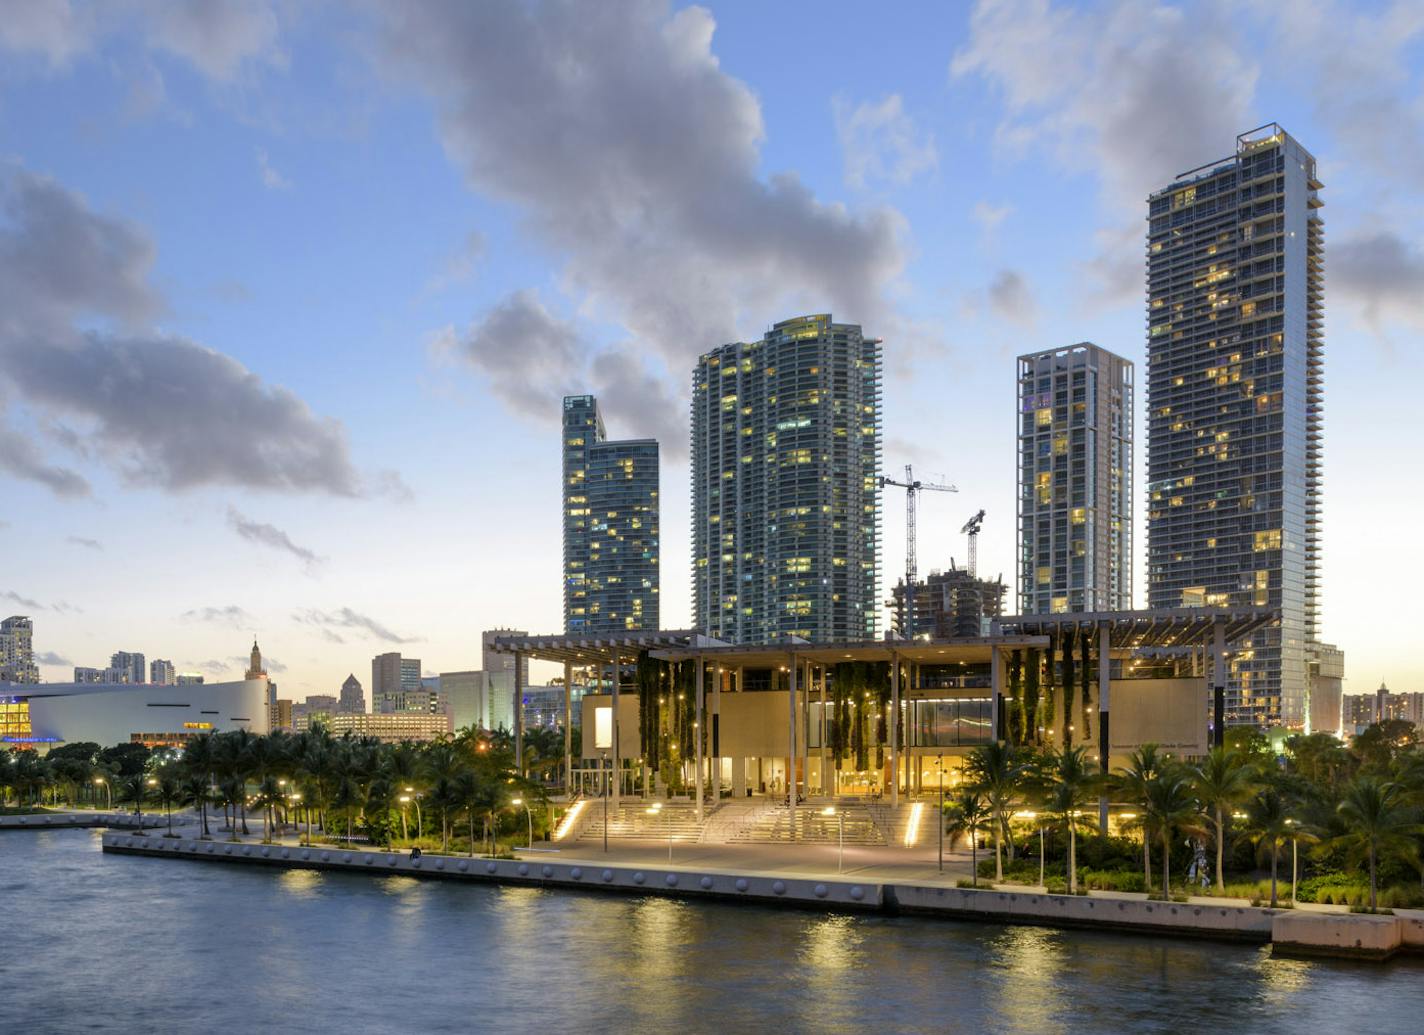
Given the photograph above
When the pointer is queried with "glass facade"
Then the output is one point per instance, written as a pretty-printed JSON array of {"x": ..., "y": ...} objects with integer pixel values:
[
  {"x": 785, "y": 489},
  {"x": 1075, "y": 480},
  {"x": 610, "y": 497},
  {"x": 1234, "y": 394}
]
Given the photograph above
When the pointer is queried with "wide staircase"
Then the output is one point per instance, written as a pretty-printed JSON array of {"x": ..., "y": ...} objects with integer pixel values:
[
  {"x": 636, "y": 820},
  {"x": 808, "y": 823}
]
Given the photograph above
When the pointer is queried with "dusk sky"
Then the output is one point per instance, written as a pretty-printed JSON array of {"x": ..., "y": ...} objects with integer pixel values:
[{"x": 289, "y": 293}]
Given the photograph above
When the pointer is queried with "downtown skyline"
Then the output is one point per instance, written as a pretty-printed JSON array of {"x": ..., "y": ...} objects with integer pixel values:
[{"x": 398, "y": 491}]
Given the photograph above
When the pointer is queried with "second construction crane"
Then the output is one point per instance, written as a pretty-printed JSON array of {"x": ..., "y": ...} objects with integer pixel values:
[{"x": 912, "y": 487}]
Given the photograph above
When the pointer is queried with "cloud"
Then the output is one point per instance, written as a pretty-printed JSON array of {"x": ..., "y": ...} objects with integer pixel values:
[
  {"x": 15, "y": 598},
  {"x": 215, "y": 667},
  {"x": 205, "y": 418},
  {"x": 990, "y": 216},
  {"x": 1131, "y": 63},
  {"x": 879, "y": 142},
  {"x": 57, "y": 29},
  {"x": 21, "y": 458},
  {"x": 270, "y": 535},
  {"x": 460, "y": 266},
  {"x": 271, "y": 178},
  {"x": 643, "y": 176},
  {"x": 1011, "y": 299},
  {"x": 88, "y": 544},
  {"x": 231, "y": 615},
  {"x": 271, "y": 665},
  {"x": 217, "y": 36},
  {"x": 49, "y": 657},
  {"x": 1382, "y": 274},
  {"x": 345, "y": 618}
]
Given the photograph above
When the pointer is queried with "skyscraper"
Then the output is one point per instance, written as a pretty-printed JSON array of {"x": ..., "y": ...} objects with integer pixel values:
[
  {"x": 392, "y": 678},
  {"x": 1075, "y": 480},
  {"x": 161, "y": 672},
  {"x": 785, "y": 491},
  {"x": 1234, "y": 386},
  {"x": 128, "y": 667},
  {"x": 610, "y": 526},
  {"x": 353, "y": 699},
  {"x": 17, "y": 651}
]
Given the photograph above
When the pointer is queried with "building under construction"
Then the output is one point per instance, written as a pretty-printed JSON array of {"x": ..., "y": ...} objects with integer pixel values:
[{"x": 948, "y": 604}]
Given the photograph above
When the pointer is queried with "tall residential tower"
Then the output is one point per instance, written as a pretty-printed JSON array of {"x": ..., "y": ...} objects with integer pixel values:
[
  {"x": 610, "y": 526},
  {"x": 1075, "y": 480},
  {"x": 785, "y": 492},
  {"x": 1235, "y": 345}
]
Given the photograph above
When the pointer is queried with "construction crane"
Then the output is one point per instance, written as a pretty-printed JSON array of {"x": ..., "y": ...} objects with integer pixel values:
[
  {"x": 971, "y": 529},
  {"x": 912, "y": 489}
]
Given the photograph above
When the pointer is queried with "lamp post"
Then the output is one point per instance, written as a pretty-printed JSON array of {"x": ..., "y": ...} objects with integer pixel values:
[
  {"x": 831, "y": 810},
  {"x": 109, "y": 795},
  {"x": 518, "y": 802},
  {"x": 603, "y": 769},
  {"x": 419, "y": 821},
  {"x": 1295, "y": 871}
]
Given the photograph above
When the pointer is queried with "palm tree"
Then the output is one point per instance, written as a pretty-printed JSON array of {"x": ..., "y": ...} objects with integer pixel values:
[
  {"x": 194, "y": 791},
  {"x": 1378, "y": 822},
  {"x": 198, "y": 762},
  {"x": 967, "y": 814},
  {"x": 1169, "y": 807},
  {"x": 1066, "y": 781},
  {"x": 1131, "y": 781},
  {"x": 997, "y": 771},
  {"x": 1222, "y": 780},
  {"x": 1271, "y": 825},
  {"x": 168, "y": 786}
]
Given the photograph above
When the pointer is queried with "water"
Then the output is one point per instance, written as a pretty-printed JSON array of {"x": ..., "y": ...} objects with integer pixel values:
[{"x": 119, "y": 943}]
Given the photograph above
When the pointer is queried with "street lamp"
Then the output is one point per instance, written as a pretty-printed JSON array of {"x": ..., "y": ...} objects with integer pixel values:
[
  {"x": 520, "y": 801},
  {"x": 419, "y": 821},
  {"x": 831, "y": 810},
  {"x": 108, "y": 793},
  {"x": 603, "y": 768},
  {"x": 1295, "y": 871},
  {"x": 404, "y": 799}
]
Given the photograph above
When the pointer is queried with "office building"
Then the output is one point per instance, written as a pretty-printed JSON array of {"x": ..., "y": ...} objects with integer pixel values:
[
  {"x": 467, "y": 696},
  {"x": 785, "y": 490},
  {"x": 85, "y": 674},
  {"x": 189, "y": 679},
  {"x": 392, "y": 678},
  {"x": 317, "y": 707},
  {"x": 1235, "y": 381},
  {"x": 610, "y": 495},
  {"x": 392, "y": 728},
  {"x": 1074, "y": 481},
  {"x": 353, "y": 698},
  {"x": 161, "y": 672},
  {"x": 279, "y": 714},
  {"x": 127, "y": 667},
  {"x": 17, "y": 651}
]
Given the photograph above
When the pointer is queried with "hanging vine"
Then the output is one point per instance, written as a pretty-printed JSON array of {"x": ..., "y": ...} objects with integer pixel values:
[
  {"x": 880, "y": 680},
  {"x": 1015, "y": 723},
  {"x": 1087, "y": 649},
  {"x": 1050, "y": 687},
  {"x": 648, "y": 675},
  {"x": 1033, "y": 663},
  {"x": 1070, "y": 684}
]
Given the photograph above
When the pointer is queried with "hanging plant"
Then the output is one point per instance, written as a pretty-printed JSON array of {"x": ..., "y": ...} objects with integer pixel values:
[
  {"x": 1087, "y": 649},
  {"x": 1033, "y": 662},
  {"x": 648, "y": 675},
  {"x": 1015, "y": 723},
  {"x": 1050, "y": 686},
  {"x": 1069, "y": 685}
]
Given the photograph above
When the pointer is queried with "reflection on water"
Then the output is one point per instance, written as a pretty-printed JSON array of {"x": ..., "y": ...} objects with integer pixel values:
[{"x": 93, "y": 941}]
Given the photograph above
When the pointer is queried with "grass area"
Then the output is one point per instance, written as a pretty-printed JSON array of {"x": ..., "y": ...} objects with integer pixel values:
[{"x": 24, "y": 810}]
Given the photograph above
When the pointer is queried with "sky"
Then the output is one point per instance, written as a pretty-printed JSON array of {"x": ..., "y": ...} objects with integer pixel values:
[{"x": 289, "y": 293}]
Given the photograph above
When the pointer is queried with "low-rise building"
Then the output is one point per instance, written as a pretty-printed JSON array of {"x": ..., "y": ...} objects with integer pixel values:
[{"x": 392, "y": 727}]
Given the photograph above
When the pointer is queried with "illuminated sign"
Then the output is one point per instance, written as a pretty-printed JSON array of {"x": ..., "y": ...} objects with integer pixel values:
[
  {"x": 197, "y": 725},
  {"x": 603, "y": 728}
]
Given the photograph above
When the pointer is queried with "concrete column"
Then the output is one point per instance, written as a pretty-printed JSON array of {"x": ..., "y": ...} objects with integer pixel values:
[
  {"x": 1218, "y": 683},
  {"x": 806, "y": 727},
  {"x": 568, "y": 728},
  {"x": 518, "y": 713},
  {"x": 1104, "y": 739},
  {"x": 893, "y": 726},
  {"x": 616, "y": 776},
  {"x": 698, "y": 720}
]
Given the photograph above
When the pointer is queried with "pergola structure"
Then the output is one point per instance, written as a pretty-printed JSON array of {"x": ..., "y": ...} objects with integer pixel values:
[
  {"x": 1169, "y": 630},
  {"x": 581, "y": 650}
]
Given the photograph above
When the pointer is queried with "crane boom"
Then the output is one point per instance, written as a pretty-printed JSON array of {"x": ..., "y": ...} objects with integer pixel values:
[
  {"x": 912, "y": 488},
  {"x": 971, "y": 529}
]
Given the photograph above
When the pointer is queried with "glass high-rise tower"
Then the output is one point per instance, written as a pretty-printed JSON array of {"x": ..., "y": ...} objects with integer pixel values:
[
  {"x": 1075, "y": 480},
  {"x": 785, "y": 490},
  {"x": 1234, "y": 387},
  {"x": 610, "y": 526}
]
